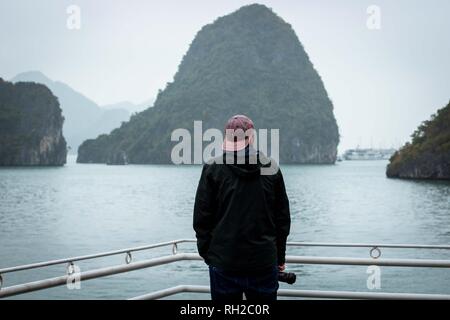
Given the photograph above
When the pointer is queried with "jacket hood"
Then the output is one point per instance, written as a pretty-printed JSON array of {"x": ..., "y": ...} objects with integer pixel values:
[{"x": 246, "y": 163}]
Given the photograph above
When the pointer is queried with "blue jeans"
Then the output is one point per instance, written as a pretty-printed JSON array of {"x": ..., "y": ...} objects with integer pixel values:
[{"x": 229, "y": 287}]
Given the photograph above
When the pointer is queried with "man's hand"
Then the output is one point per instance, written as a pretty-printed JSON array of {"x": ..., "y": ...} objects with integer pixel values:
[{"x": 282, "y": 267}]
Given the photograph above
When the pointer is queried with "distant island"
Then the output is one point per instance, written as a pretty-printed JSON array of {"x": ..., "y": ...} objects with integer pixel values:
[
  {"x": 84, "y": 118},
  {"x": 31, "y": 124},
  {"x": 427, "y": 156},
  {"x": 248, "y": 62}
]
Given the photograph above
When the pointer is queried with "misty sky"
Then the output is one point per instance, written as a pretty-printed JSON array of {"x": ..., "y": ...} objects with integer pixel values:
[{"x": 383, "y": 83}]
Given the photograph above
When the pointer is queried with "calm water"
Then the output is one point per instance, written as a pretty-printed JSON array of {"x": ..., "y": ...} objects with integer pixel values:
[{"x": 48, "y": 213}]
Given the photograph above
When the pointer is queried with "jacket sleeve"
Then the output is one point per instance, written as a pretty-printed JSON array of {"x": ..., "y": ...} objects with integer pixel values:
[
  {"x": 283, "y": 218},
  {"x": 204, "y": 212}
]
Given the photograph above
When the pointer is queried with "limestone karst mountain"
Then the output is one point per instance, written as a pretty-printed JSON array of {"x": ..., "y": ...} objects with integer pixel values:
[
  {"x": 248, "y": 62},
  {"x": 427, "y": 156},
  {"x": 84, "y": 119},
  {"x": 30, "y": 126}
]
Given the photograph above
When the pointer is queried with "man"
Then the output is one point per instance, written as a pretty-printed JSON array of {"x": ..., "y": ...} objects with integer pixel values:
[{"x": 241, "y": 219}]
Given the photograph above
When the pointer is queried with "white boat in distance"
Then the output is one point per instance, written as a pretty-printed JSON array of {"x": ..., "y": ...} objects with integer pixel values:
[{"x": 368, "y": 154}]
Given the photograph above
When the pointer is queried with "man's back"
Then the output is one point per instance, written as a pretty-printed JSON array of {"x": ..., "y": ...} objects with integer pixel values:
[{"x": 241, "y": 217}]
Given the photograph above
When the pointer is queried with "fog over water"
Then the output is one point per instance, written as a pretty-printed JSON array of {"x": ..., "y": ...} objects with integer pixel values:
[{"x": 383, "y": 82}]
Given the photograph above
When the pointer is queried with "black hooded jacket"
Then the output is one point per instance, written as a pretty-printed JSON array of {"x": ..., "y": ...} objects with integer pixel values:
[{"x": 241, "y": 217}]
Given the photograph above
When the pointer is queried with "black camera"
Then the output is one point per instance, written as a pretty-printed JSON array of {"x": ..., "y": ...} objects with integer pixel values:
[{"x": 288, "y": 277}]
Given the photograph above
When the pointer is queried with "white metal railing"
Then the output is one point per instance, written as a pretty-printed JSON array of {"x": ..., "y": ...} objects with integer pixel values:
[
  {"x": 127, "y": 251},
  {"x": 302, "y": 294},
  {"x": 375, "y": 253}
]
